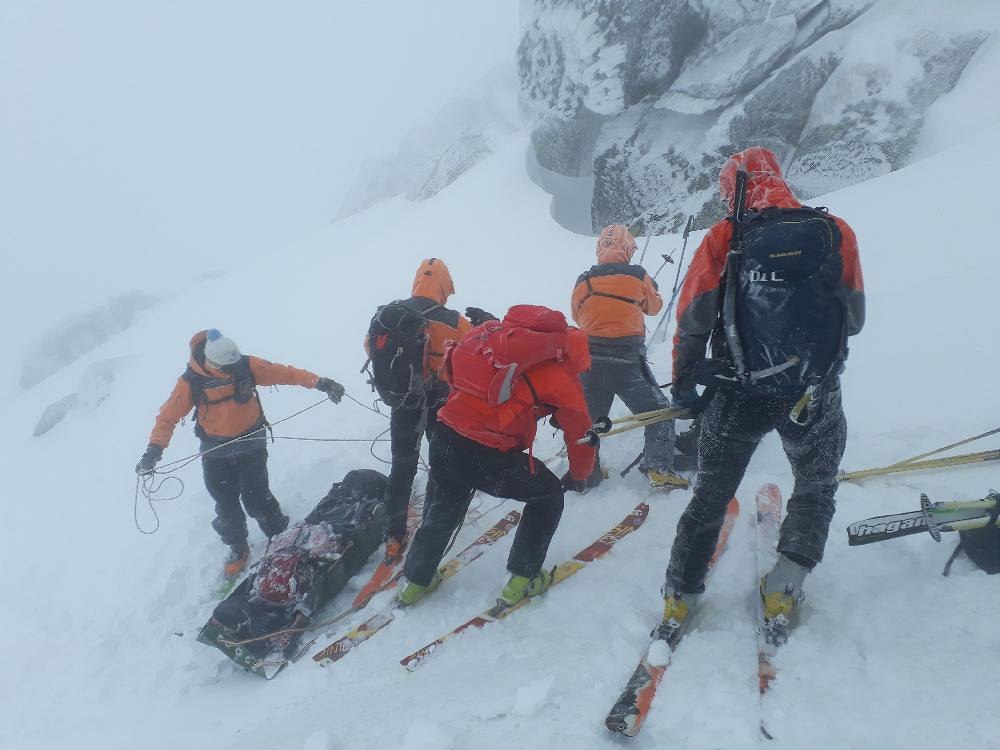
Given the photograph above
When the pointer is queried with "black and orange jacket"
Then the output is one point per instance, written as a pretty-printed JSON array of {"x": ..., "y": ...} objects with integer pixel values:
[
  {"x": 219, "y": 414},
  {"x": 700, "y": 299},
  {"x": 610, "y": 300},
  {"x": 432, "y": 286}
]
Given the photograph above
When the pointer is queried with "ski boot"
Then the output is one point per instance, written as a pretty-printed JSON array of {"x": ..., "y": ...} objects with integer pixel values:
[
  {"x": 394, "y": 549},
  {"x": 521, "y": 587},
  {"x": 677, "y": 608},
  {"x": 666, "y": 480},
  {"x": 236, "y": 560},
  {"x": 781, "y": 591},
  {"x": 410, "y": 593}
]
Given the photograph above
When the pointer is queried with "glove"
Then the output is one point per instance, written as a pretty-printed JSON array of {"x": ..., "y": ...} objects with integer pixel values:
[
  {"x": 686, "y": 398},
  {"x": 149, "y": 460},
  {"x": 333, "y": 390},
  {"x": 478, "y": 316}
]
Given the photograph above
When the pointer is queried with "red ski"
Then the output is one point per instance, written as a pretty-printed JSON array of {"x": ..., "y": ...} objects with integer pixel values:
[
  {"x": 768, "y": 530},
  {"x": 630, "y": 710},
  {"x": 499, "y": 611},
  {"x": 343, "y": 646}
]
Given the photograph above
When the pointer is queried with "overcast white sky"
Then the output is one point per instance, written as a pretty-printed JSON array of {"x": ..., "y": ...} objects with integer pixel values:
[{"x": 141, "y": 139}]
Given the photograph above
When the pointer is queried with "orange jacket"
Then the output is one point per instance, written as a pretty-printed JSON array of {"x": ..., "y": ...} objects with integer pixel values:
[
  {"x": 699, "y": 303},
  {"x": 548, "y": 388},
  {"x": 610, "y": 299},
  {"x": 218, "y": 413},
  {"x": 433, "y": 282}
]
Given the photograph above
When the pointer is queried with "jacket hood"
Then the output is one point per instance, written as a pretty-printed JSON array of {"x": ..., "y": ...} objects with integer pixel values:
[
  {"x": 197, "y": 358},
  {"x": 765, "y": 186},
  {"x": 433, "y": 280},
  {"x": 615, "y": 245}
]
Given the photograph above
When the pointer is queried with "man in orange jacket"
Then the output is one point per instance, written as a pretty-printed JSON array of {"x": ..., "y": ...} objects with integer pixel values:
[
  {"x": 432, "y": 286},
  {"x": 483, "y": 431},
  {"x": 780, "y": 341},
  {"x": 220, "y": 384},
  {"x": 609, "y": 302}
]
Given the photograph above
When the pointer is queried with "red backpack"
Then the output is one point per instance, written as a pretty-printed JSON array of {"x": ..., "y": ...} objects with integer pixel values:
[{"x": 486, "y": 362}]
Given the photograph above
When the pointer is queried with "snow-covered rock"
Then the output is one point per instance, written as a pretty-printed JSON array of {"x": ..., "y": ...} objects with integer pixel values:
[
  {"x": 79, "y": 334},
  {"x": 838, "y": 88}
]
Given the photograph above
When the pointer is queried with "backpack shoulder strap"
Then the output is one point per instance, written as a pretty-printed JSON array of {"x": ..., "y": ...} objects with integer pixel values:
[{"x": 196, "y": 384}]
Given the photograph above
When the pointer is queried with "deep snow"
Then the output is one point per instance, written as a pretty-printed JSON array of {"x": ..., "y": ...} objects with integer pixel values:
[{"x": 889, "y": 655}]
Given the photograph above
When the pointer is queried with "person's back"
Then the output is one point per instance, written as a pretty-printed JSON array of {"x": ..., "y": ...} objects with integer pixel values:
[
  {"x": 812, "y": 280},
  {"x": 610, "y": 302},
  {"x": 505, "y": 375}
]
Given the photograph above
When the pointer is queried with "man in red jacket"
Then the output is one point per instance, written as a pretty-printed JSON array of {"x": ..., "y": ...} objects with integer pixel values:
[
  {"x": 504, "y": 376},
  {"x": 793, "y": 293},
  {"x": 220, "y": 384}
]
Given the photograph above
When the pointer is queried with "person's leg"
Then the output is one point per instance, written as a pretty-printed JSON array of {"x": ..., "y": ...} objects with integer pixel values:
[
  {"x": 405, "y": 435},
  {"x": 222, "y": 483},
  {"x": 444, "y": 508},
  {"x": 510, "y": 475},
  {"x": 732, "y": 426},
  {"x": 255, "y": 490},
  {"x": 815, "y": 452},
  {"x": 635, "y": 386},
  {"x": 599, "y": 399}
]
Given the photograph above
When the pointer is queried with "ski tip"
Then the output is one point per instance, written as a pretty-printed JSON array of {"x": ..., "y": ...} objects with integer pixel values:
[
  {"x": 764, "y": 732},
  {"x": 622, "y": 725}
]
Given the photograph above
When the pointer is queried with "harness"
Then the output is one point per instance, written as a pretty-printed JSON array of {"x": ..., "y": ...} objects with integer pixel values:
[
  {"x": 591, "y": 292},
  {"x": 244, "y": 390}
]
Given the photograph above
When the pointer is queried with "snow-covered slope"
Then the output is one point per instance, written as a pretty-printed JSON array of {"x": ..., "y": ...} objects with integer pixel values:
[{"x": 889, "y": 655}]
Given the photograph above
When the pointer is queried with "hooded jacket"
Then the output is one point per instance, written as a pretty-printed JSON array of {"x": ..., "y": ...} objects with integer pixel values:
[
  {"x": 219, "y": 415},
  {"x": 610, "y": 299},
  {"x": 549, "y": 388},
  {"x": 432, "y": 286},
  {"x": 700, "y": 298}
]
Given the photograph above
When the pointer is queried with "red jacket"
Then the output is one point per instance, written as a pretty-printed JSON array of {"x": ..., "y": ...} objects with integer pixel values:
[
  {"x": 550, "y": 388},
  {"x": 699, "y": 304}
]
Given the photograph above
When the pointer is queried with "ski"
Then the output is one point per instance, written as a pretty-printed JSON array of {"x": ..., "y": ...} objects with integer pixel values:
[
  {"x": 768, "y": 523},
  {"x": 500, "y": 611},
  {"x": 630, "y": 710},
  {"x": 343, "y": 646}
]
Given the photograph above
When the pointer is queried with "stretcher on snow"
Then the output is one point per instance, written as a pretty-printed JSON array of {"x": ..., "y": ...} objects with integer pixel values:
[{"x": 260, "y": 623}]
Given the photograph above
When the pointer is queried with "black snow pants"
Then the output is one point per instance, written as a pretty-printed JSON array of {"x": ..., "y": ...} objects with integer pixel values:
[
  {"x": 621, "y": 370},
  {"x": 406, "y": 430},
  {"x": 731, "y": 428},
  {"x": 459, "y": 467},
  {"x": 236, "y": 476}
]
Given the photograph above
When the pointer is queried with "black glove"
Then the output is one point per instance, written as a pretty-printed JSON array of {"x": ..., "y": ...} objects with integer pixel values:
[
  {"x": 333, "y": 390},
  {"x": 478, "y": 316},
  {"x": 149, "y": 459}
]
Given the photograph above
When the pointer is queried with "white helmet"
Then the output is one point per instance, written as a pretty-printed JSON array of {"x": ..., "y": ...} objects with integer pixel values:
[{"x": 221, "y": 351}]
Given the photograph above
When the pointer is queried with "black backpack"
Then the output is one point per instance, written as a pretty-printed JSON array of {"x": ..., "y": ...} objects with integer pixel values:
[
  {"x": 397, "y": 344},
  {"x": 790, "y": 314}
]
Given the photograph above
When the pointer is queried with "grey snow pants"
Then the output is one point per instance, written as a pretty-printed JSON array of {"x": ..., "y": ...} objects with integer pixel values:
[{"x": 731, "y": 428}]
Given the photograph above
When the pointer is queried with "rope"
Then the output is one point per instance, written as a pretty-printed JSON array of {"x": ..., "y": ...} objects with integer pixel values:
[{"x": 149, "y": 488}]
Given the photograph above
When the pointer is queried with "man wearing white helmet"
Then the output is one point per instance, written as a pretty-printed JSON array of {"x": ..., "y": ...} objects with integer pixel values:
[{"x": 220, "y": 384}]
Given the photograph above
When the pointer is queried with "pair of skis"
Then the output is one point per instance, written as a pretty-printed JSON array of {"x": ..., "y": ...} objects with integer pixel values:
[
  {"x": 633, "y": 705},
  {"x": 381, "y": 619}
]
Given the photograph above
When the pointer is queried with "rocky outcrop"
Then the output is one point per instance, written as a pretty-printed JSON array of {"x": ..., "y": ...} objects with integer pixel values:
[{"x": 649, "y": 98}]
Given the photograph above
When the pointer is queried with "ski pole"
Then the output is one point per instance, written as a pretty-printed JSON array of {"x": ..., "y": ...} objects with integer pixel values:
[
  {"x": 604, "y": 423},
  {"x": 948, "y": 447},
  {"x": 598, "y": 431},
  {"x": 640, "y": 226},
  {"x": 934, "y": 463}
]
